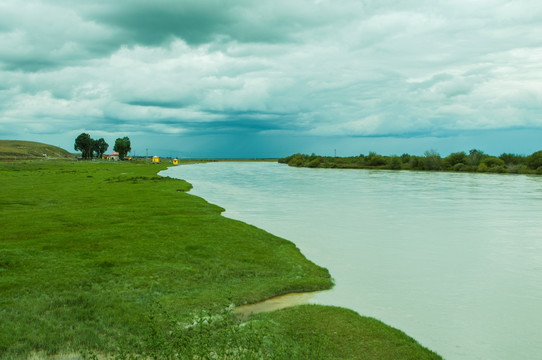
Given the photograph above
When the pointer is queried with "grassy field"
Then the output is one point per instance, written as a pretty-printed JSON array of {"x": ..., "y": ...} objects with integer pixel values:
[
  {"x": 109, "y": 259},
  {"x": 18, "y": 150}
]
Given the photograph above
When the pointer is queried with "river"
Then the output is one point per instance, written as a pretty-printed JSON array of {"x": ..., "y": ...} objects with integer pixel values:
[{"x": 452, "y": 259}]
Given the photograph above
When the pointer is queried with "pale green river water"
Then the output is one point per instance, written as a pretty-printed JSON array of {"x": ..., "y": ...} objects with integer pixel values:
[{"x": 454, "y": 260}]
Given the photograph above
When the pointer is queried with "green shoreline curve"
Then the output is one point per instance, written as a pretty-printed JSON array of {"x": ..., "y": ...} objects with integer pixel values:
[{"x": 88, "y": 263}]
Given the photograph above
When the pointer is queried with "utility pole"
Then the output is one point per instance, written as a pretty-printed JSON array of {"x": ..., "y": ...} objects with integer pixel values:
[
  {"x": 147, "y": 156},
  {"x": 335, "y": 152}
]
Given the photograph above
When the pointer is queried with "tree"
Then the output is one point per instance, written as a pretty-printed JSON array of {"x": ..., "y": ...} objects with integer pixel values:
[
  {"x": 432, "y": 161},
  {"x": 405, "y": 158},
  {"x": 395, "y": 163},
  {"x": 100, "y": 147},
  {"x": 534, "y": 161},
  {"x": 512, "y": 159},
  {"x": 475, "y": 157},
  {"x": 85, "y": 144},
  {"x": 455, "y": 158},
  {"x": 122, "y": 146},
  {"x": 373, "y": 159}
]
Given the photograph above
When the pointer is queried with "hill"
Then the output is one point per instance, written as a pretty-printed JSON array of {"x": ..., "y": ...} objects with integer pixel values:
[{"x": 12, "y": 149}]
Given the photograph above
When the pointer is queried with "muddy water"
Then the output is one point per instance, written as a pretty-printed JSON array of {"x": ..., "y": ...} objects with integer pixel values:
[
  {"x": 276, "y": 303},
  {"x": 454, "y": 260}
]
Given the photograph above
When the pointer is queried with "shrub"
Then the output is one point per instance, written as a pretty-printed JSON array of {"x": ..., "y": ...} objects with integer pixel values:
[
  {"x": 315, "y": 162},
  {"x": 482, "y": 168},
  {"x": 405, "y": 158},
  {"x": 475, "y": 157},
  {"x": 499, "y": 169},
  {"x": 285, "y": 160},
  {"x": 432, "y": 160},
  {"x": 296, "y": 160},
  {"x": 512, "y": 159},
  {"x": 519, "y": 169},
  {"x": 375, "y": 160},
  {"x": 416, "y": 163},
  {"x": 459, "y": 167},
  {"x": 535, "y": 160},
  {"x": 455, "y": 158},
  {"x": 492, "y": 161},
  {"x": 394, "y": 163}
]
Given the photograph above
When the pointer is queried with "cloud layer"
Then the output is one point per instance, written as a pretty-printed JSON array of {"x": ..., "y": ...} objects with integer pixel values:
[{"x": 285, "y": 68}]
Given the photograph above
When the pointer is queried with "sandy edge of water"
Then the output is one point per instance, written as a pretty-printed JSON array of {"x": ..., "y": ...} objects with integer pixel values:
[{"x": 276, "y": 303}]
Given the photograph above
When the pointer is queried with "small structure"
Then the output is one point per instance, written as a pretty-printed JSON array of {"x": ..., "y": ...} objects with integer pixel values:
[
  {"x": 114, "y": 156},
  {"x": 175, "y": 161},
  {"x": 156, "y": 160}
]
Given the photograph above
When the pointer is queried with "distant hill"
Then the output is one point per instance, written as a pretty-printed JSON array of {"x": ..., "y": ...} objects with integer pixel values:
[{"x": 11, "y": 149}]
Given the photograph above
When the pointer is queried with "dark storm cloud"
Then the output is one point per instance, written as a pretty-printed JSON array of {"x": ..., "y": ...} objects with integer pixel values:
[
  {"x": 198, "y": 22},
  {"x": 158, "y": 104},
  {"x": 151, "y": 23}
]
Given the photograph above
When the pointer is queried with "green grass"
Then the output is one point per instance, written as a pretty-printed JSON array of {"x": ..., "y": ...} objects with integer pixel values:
[
  {"x": 112, "y": 259},
  {"x": 315, "y": 332},
  {"x": 15, "y": 149}
]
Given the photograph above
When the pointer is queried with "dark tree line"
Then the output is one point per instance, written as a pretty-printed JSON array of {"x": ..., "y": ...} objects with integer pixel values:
[
  {"x": 474, "y": 161},
  {"x": 89, "y": 146}
]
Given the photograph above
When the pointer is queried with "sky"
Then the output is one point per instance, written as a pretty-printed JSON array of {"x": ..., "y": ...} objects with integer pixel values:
[{"x": 250, "y": 78}]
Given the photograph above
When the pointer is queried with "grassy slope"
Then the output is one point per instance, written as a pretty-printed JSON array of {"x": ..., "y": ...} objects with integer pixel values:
[
  {"x": 92, "y": 255},
  {"x": 13, "y": 149}
]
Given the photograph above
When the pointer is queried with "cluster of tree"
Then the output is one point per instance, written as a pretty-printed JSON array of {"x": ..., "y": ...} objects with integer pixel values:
[
  {"x": 89, "y": 146},
  {"x": 474, "y": 161},
  {"x": 122, "y": 146}
]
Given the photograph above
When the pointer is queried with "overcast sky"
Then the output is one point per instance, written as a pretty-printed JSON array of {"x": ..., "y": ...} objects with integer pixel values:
[{"x": 252, "y": 78}]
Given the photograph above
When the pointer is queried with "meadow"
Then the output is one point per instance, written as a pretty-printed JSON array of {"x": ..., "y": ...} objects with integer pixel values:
[{"x": 109, "y": 260}]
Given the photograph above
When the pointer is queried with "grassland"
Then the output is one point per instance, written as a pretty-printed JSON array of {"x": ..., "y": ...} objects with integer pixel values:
[
  {"x": 20, "y": 150},
  {"x": 109, "y": 259}
]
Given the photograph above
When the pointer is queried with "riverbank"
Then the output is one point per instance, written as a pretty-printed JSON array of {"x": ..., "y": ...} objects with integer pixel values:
[
  {"x": 110, "y": 259},
  {"x": 474, "y": 162}
]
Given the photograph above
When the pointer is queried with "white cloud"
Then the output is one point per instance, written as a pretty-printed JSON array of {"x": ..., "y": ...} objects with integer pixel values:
[
  {"x": 43, "y": 35},
  {"x": 343, "y": 68}
]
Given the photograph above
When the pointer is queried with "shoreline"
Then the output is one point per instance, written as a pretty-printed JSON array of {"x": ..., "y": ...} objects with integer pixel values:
[
  {"x": 275, "y": 302},
  {"x": 279, "y": 301},
  {"x": 166, "y": 258}
]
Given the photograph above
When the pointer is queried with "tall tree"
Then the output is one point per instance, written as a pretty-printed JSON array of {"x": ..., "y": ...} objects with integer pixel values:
[
  {"x": 475, "y": 157},
  {"x": 534, "y": 161},
  {"x": 432, "y": 161},
  {"x": 85, "y": 144},
  {"x": 122, "y": 146},
  {"x": 100, "y": 147}
]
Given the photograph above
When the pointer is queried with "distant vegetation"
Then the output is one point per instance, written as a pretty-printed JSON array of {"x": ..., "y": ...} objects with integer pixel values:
[
  {"x": 21, "y": 150},
  {"x": 474, "y": 161},
  {"x": 122, "y": 146},
  {"x": 90, "y": 147}
]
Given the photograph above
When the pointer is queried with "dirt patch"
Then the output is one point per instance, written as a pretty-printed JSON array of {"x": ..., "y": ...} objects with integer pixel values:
[{"x": 276, "y": 303}]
